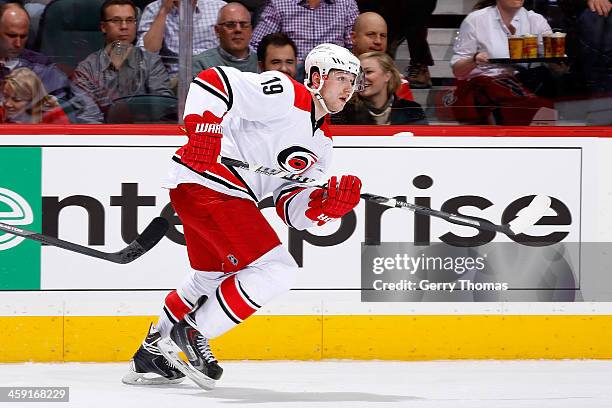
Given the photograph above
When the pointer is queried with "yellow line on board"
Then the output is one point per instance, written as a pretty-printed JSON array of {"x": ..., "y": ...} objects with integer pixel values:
[{"x": 115, "y": 338}]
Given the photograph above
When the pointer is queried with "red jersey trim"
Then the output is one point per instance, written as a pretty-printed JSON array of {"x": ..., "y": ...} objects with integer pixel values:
[
  {"x": 326, "y": 131},
  {"x": 215, "y": 82},
  {"x": 222, "y": 175},
  {"x": 282, "y": 205},
  {"x": 212, "y": 78},
  {"x": 303, "y": 98}
]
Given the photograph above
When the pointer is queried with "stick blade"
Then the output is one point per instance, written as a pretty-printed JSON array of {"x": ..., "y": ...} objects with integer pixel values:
[
  {"x": 154, "y": 232},
  {"x": 529, "y": 215}
]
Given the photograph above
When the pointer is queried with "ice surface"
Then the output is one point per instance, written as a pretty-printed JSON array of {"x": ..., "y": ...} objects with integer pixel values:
[{"x": 335, "y": 384}]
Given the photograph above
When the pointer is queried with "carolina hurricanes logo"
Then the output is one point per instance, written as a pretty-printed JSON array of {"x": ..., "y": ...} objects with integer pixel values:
[
  {"x": 449, "y": 99},
  {"x": 296, "y": 159}
]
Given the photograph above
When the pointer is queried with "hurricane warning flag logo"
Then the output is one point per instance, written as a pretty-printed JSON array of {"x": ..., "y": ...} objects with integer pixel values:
[
  {"x": 296, "y": 159},
  {"x": 14, "y": 210}
]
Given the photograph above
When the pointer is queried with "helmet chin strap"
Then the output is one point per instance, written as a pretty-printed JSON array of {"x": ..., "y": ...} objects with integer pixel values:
[
  {"x": 321, "y": 100},
  {"x": 318, "y": 95}
]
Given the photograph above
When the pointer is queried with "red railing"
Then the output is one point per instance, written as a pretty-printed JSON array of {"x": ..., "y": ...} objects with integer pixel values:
[{"x": 421, "y": 131}]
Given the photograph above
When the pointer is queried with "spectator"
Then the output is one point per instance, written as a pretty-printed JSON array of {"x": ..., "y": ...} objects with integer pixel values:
[
  {"x": 119, "y": 69},
  {"x": 408, "y": 20},
  {"x": 378, "y": 103},
  {"x": 590, "y": 40},
  {"x": 277, "y": 52},
  {"x": 158, "y": 30},
  {"x": 308, "y": 22},
  {"x": 25, "y": 100},
  {"x": 414, "y": 29},
  {"x": 14, "y": 31},
  {"x": 483, "y": 88},
  {"x": 234, "y": 31},
  {"x": 370, "y": 34}
]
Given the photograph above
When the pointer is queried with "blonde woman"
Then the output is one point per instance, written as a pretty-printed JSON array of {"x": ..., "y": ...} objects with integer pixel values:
[
  {"x": 378, "y": 103},
  {"x": 25, "y": 100}
]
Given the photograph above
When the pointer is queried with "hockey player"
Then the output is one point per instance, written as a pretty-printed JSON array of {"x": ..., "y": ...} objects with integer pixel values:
[{"x": 237, "y": 259}]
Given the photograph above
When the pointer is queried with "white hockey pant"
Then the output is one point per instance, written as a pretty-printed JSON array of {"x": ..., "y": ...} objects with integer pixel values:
[{"x": 231, "y": 297}]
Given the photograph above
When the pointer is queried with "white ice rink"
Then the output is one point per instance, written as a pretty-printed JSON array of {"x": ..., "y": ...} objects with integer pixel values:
[{"x": 335, "y": 384}]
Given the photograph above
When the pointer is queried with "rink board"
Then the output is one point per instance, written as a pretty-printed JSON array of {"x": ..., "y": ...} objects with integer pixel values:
[
  {"x": 115, "y": 338},
  {"x": 89, "y": 310}
]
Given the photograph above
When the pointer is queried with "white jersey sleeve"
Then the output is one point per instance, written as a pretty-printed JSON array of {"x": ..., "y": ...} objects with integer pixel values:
[
  {"x": 292, "y": 199},
  {"x": 254, "y": 97}
]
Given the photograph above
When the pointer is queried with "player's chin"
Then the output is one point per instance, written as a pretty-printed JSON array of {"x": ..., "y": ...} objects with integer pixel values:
[{"x": 339, "y": 106}]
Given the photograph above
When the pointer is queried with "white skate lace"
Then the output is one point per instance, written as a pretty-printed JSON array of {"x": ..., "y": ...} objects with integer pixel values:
[
  {"x": 152, "y": 346},
  {"x": 170, "y": 364},
  {"x": 204, "y": 347}
]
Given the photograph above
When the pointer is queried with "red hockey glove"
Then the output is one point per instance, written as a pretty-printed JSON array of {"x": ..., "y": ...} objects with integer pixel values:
[
  {"x": 204, "y": 146},
  {"x": 332, "y": 202}
]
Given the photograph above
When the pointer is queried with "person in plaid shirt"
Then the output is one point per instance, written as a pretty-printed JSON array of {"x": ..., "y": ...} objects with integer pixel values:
[
  {"x": 159, "y": 28},
  {"x": 308, "y": 22}
]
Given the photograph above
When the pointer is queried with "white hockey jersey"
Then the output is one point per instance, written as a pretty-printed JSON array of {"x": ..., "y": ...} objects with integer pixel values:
[{"x": 269, "y": 120}]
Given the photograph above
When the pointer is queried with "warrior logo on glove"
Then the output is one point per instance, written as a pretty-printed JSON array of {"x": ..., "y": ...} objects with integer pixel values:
[
  {"x": 296, "y": 159},
  {"x": 204, "y": 145},
  {"x": 208, "y": 128}
]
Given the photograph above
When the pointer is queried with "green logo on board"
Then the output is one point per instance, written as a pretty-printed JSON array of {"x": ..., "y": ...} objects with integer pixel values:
[
  {"x": 21, "y": 206},
  {"x": 19, "y": 213}
]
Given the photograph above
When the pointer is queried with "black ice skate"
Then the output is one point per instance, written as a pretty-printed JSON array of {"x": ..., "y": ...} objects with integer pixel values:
[
  {"x": 203, "y": 367},
  {"x": 150, "y": 367}
]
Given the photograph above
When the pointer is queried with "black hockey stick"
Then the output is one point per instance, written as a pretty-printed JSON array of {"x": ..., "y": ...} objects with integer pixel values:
[
  {"x": 154, "y": 232},
  {"x": 526, "y": 217}
]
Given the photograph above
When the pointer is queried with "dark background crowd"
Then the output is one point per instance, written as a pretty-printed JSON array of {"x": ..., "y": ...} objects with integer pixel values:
[{"x": 117, "y": 61}]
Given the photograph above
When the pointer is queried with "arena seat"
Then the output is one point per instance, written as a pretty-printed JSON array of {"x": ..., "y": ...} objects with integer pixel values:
[
  {"x": 70, "y": 31},
  {"x": 143, "y": 109}
]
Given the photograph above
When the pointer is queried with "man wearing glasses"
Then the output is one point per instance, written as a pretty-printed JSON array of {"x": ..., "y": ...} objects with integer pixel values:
[
  {"x": 158, "y": 30},
  {"x": 234, "y": 31},
  {"x": 119, "y": 69}
]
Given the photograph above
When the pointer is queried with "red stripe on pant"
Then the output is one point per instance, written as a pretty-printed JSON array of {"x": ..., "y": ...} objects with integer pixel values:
[
  {"x": 176, "y": 306},
  {"x": 233, "y": 299}
]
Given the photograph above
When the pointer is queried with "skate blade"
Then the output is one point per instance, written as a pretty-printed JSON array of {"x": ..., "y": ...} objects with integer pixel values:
[
  {"x": 134, "y": 378},
  {"x": 171, "y": 351}
]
